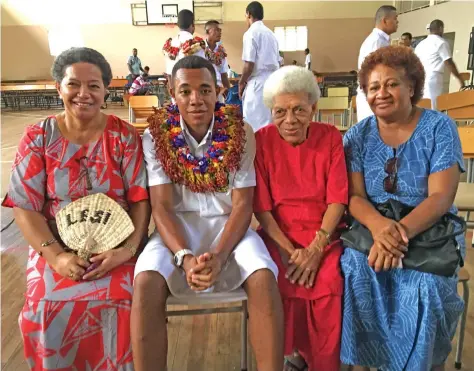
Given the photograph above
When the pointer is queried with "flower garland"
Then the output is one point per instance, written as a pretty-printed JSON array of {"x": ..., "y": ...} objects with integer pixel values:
[
  {"x": 216, "y": 57},
  {"x": 209, "y": 173},
  {"x": 189, "y": 47}
]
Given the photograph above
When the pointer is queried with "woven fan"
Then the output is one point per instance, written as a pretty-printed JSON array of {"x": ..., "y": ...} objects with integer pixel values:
[{"x": 93, "y": 224}]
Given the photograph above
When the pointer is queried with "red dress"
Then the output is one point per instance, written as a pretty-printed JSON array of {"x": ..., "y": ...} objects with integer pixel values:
[
  {"x": 297, "y": 183},
  {"x": 69, "y": 325}
]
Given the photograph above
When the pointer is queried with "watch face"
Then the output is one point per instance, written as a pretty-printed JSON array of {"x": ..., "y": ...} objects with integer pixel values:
[{"x": 176, "y": 260}]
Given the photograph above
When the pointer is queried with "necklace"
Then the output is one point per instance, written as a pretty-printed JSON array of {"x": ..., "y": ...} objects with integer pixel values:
[{"x": 209, "y": 173}]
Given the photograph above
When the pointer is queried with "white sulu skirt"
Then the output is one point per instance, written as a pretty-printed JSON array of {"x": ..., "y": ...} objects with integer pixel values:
[{"x": 202, "y": 235}]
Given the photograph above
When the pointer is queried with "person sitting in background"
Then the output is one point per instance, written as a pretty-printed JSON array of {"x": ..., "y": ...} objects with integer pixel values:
[
  {"x": 146, "y": 70},
  {"x": 201, "y": 189},
  {"x": 299, "y": 200},
  {"x": 295, "y": 63},
  {"x": 406, "y": 39},
  {"x": 397, "y": 318},
  {"x": 73, "y": 319},
  {"x": 141, "y": 86}
]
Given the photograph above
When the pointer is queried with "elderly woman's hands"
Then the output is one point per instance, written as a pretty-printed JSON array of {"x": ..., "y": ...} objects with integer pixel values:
[
  {"x": 390, "y": 242},
  {"x": 304, "y": 263}
]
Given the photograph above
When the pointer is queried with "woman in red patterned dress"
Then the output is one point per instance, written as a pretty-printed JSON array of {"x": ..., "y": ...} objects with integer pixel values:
[
  {"x": 73, "y": 320},
  {"x": 299, "y": 200}
]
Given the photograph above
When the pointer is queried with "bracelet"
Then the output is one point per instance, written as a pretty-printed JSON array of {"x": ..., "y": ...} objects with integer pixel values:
[
  {"x": 50, "y": 242},
  {"x": 46, "y": 244},
  {"x": 133, "y": 248},
  {"x": 325, "y": 234}
]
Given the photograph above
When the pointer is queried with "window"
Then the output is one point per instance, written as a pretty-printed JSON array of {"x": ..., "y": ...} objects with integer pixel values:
[
  {"x": 291, "y": 39},
  {"x": 404, "y": 6},
  {"x": 62, "y": 38}
]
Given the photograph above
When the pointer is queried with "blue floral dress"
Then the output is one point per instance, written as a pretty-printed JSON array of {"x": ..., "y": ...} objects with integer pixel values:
[{"x": 401, "y": 319}]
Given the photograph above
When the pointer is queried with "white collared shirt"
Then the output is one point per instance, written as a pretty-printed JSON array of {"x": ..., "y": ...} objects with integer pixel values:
[
  {"x": 260, "y": 46},
  {"x": 204, "y": 204},
  {"x": 376, "y": 40},
  {"x": 182, "y": 37},
  {"x": 223, "y": 68},
  {"x": 307, "y": 60},
  {"x": 433, "y": 52}
]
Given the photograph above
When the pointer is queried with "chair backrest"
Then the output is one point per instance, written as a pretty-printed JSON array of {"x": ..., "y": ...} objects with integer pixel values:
[
  {"x": 354, "y": 103},
  {"x": 466, "y": 134},
  {"x": 338, "y": 92},
  {"x": 458, "y": 99},
  {"x": 424, "y": 103},
  {"x": 333, "y": 103},
  {"x": 140, "y": 126},
  {"x": 143, "y": 101}
]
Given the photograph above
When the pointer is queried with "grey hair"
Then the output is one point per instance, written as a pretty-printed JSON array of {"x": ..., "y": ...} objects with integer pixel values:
[{"x": 289, "y": 80}]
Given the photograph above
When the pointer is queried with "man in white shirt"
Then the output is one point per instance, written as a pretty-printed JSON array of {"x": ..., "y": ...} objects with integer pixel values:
[
  {"x": 386, "y": 23},
  {"x": 202, "y": 205},
  {"x": 216, "y": 54},
  {"x": 261, "y": 58},
  {"x": 186, "y": 31},
  {"x": 307, "y": 61},
  {"x": 435, "y": 54}
]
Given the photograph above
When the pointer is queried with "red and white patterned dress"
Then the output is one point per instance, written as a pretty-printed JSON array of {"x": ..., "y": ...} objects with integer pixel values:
[{"x": 68, "y": 325}]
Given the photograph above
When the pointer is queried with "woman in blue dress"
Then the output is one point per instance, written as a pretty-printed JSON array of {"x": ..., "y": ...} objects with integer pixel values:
[{"x": 398, "y": 319}]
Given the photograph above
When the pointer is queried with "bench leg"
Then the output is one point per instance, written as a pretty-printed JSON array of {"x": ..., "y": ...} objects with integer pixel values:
[
  {"x": 462, "y": 326},
  {"x": 243, "y": 338}
]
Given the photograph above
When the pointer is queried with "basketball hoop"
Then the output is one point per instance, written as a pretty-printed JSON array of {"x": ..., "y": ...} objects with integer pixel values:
[{"x": 171, "y": 20}]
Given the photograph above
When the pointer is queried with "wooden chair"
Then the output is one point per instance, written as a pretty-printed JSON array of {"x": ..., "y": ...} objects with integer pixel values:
[
  {"x": 353, "y": 111},
  {"x": 459, "y": 106},
  {"x": 141, "y": 107},
  {"x": 332, "y": 107},
  {"x": 464, "y": 281},
  {"x": 464, "y": 201},
  {"x": 338, "y": 92},
  {"x": 140, "y": 126},
  {"x": 215, "y": 299},
  {"x": 424, "y": 103},
  {"x": 466, "y": 134}
]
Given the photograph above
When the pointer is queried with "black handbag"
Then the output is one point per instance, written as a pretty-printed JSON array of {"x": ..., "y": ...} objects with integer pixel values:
[{"x": 433, "y": 251}]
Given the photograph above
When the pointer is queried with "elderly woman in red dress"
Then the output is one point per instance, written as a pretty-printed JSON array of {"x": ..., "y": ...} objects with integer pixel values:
[{"x": 301, "y": 194}]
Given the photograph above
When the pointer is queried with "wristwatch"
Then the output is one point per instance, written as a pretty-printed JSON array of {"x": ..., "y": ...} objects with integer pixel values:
[{"x": 179, "y": 257}]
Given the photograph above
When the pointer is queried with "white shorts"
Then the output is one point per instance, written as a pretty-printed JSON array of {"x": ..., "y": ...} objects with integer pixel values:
[{"x": 249, "y": 255}]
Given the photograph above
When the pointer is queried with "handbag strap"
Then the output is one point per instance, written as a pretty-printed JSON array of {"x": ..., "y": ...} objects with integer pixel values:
[
  {"x": 460, "y": 231},
  {"x": 396, "y": 208}
]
